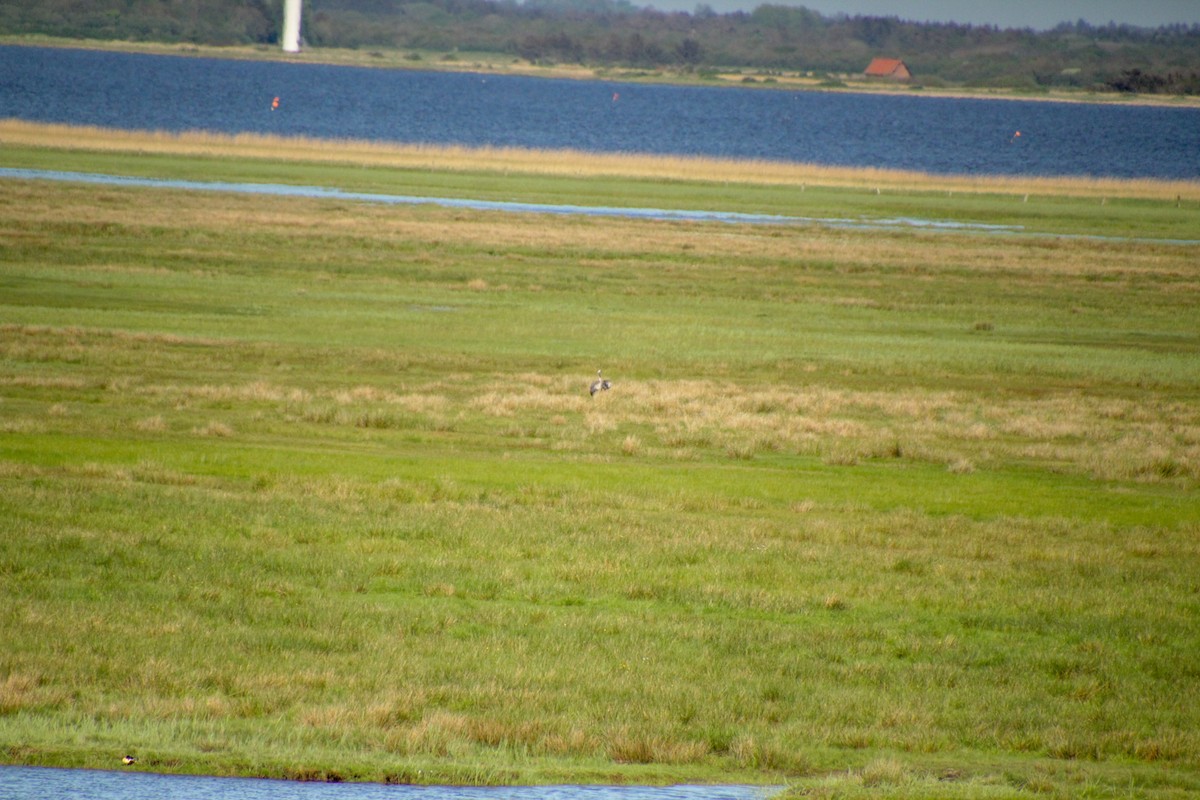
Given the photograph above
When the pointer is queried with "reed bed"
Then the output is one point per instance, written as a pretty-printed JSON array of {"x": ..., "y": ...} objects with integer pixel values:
[{"x": 570, "y": 163}]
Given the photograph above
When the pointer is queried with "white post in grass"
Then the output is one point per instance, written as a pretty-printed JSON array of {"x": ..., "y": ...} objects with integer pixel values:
[{"x": 291, "y": 26}]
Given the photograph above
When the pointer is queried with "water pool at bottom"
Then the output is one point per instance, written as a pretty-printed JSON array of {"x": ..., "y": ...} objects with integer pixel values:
[{"x": 50, "y": 783}]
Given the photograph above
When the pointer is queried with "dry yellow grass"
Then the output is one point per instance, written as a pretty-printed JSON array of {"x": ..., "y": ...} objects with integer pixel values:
[
  {"x": 1108, "y": 438},
  {"x": 565, "y": 162}
]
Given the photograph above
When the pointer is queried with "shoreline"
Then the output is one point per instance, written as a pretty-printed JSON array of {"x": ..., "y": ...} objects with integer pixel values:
[
  {"x": 498, "y": 64},
  {"x": 569, "y": 163}
]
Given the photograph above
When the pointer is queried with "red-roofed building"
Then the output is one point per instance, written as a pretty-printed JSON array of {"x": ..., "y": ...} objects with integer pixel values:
[{"x": 892, "y": 68}]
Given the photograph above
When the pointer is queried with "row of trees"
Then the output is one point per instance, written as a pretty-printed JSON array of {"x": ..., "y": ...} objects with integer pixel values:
[
  {"x": 218, "y": 22},
  {"x": 617, "y": 33}
]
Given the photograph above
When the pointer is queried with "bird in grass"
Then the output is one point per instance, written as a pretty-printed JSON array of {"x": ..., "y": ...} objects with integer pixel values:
[
  {"x": 127, "y": 760},
  {"x": 599, "y": 385}
]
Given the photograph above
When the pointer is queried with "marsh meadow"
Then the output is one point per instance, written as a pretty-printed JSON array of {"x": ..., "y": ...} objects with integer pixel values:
[{"x": 315, "y": 489}]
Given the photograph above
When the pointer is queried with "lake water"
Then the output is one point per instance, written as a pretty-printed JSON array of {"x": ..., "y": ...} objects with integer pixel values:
[
  {"x": 908, "y": 131},
  {"x": 42, "y": 783}
]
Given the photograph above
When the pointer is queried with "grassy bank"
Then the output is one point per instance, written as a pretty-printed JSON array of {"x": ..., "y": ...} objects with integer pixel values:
[
  {"x": 1155, "y": 210},
  {"x": 315, "y": 488}
]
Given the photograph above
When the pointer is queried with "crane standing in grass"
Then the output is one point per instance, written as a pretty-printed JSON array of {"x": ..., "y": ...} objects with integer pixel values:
[{"x": 599, "y": 385}]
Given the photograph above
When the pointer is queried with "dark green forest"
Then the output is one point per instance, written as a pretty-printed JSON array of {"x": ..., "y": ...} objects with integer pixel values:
[{"x": 618, "y": 34}]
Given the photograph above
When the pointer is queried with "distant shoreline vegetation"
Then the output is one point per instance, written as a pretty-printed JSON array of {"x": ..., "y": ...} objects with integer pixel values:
[
  {"x": 1135, "y": 81},
  {"x": 615, "y": 34}
]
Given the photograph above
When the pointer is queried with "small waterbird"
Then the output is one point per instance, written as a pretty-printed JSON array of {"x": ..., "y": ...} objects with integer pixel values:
[
  {"x": 599, "y": 385},
  {"x": 128, "y": 760}
]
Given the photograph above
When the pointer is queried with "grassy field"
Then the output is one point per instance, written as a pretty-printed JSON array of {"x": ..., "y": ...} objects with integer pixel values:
[{"x": 316, "y": 489}]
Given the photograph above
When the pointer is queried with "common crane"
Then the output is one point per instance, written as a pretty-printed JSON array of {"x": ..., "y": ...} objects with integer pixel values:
[{"x": 599, "y": 385}]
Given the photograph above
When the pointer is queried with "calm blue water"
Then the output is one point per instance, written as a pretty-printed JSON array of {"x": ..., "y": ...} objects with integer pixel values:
[
  {"x": 41, "y": 783},
  {"x": 908, "y": 132}
]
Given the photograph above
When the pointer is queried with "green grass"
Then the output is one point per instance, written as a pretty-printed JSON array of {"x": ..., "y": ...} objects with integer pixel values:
[{"x": 315, "y": 489}]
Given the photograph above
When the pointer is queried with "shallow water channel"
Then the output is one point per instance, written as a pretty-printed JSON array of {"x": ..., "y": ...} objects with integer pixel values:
[
  {"x": 659, "y": 214},
  {"x": 663, "y": 214},
  {"x": 46, "y": 783}
]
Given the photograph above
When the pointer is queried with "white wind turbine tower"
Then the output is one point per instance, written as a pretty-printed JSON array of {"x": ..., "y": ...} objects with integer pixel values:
[{"x": 291, "y": 26}]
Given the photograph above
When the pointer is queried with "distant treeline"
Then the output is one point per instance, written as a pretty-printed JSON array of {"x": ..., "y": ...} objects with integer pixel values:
[{"x": 615, "y": 33}]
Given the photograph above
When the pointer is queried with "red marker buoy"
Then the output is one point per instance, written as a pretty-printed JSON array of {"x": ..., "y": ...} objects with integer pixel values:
[{"x": 275, "y": 104}]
